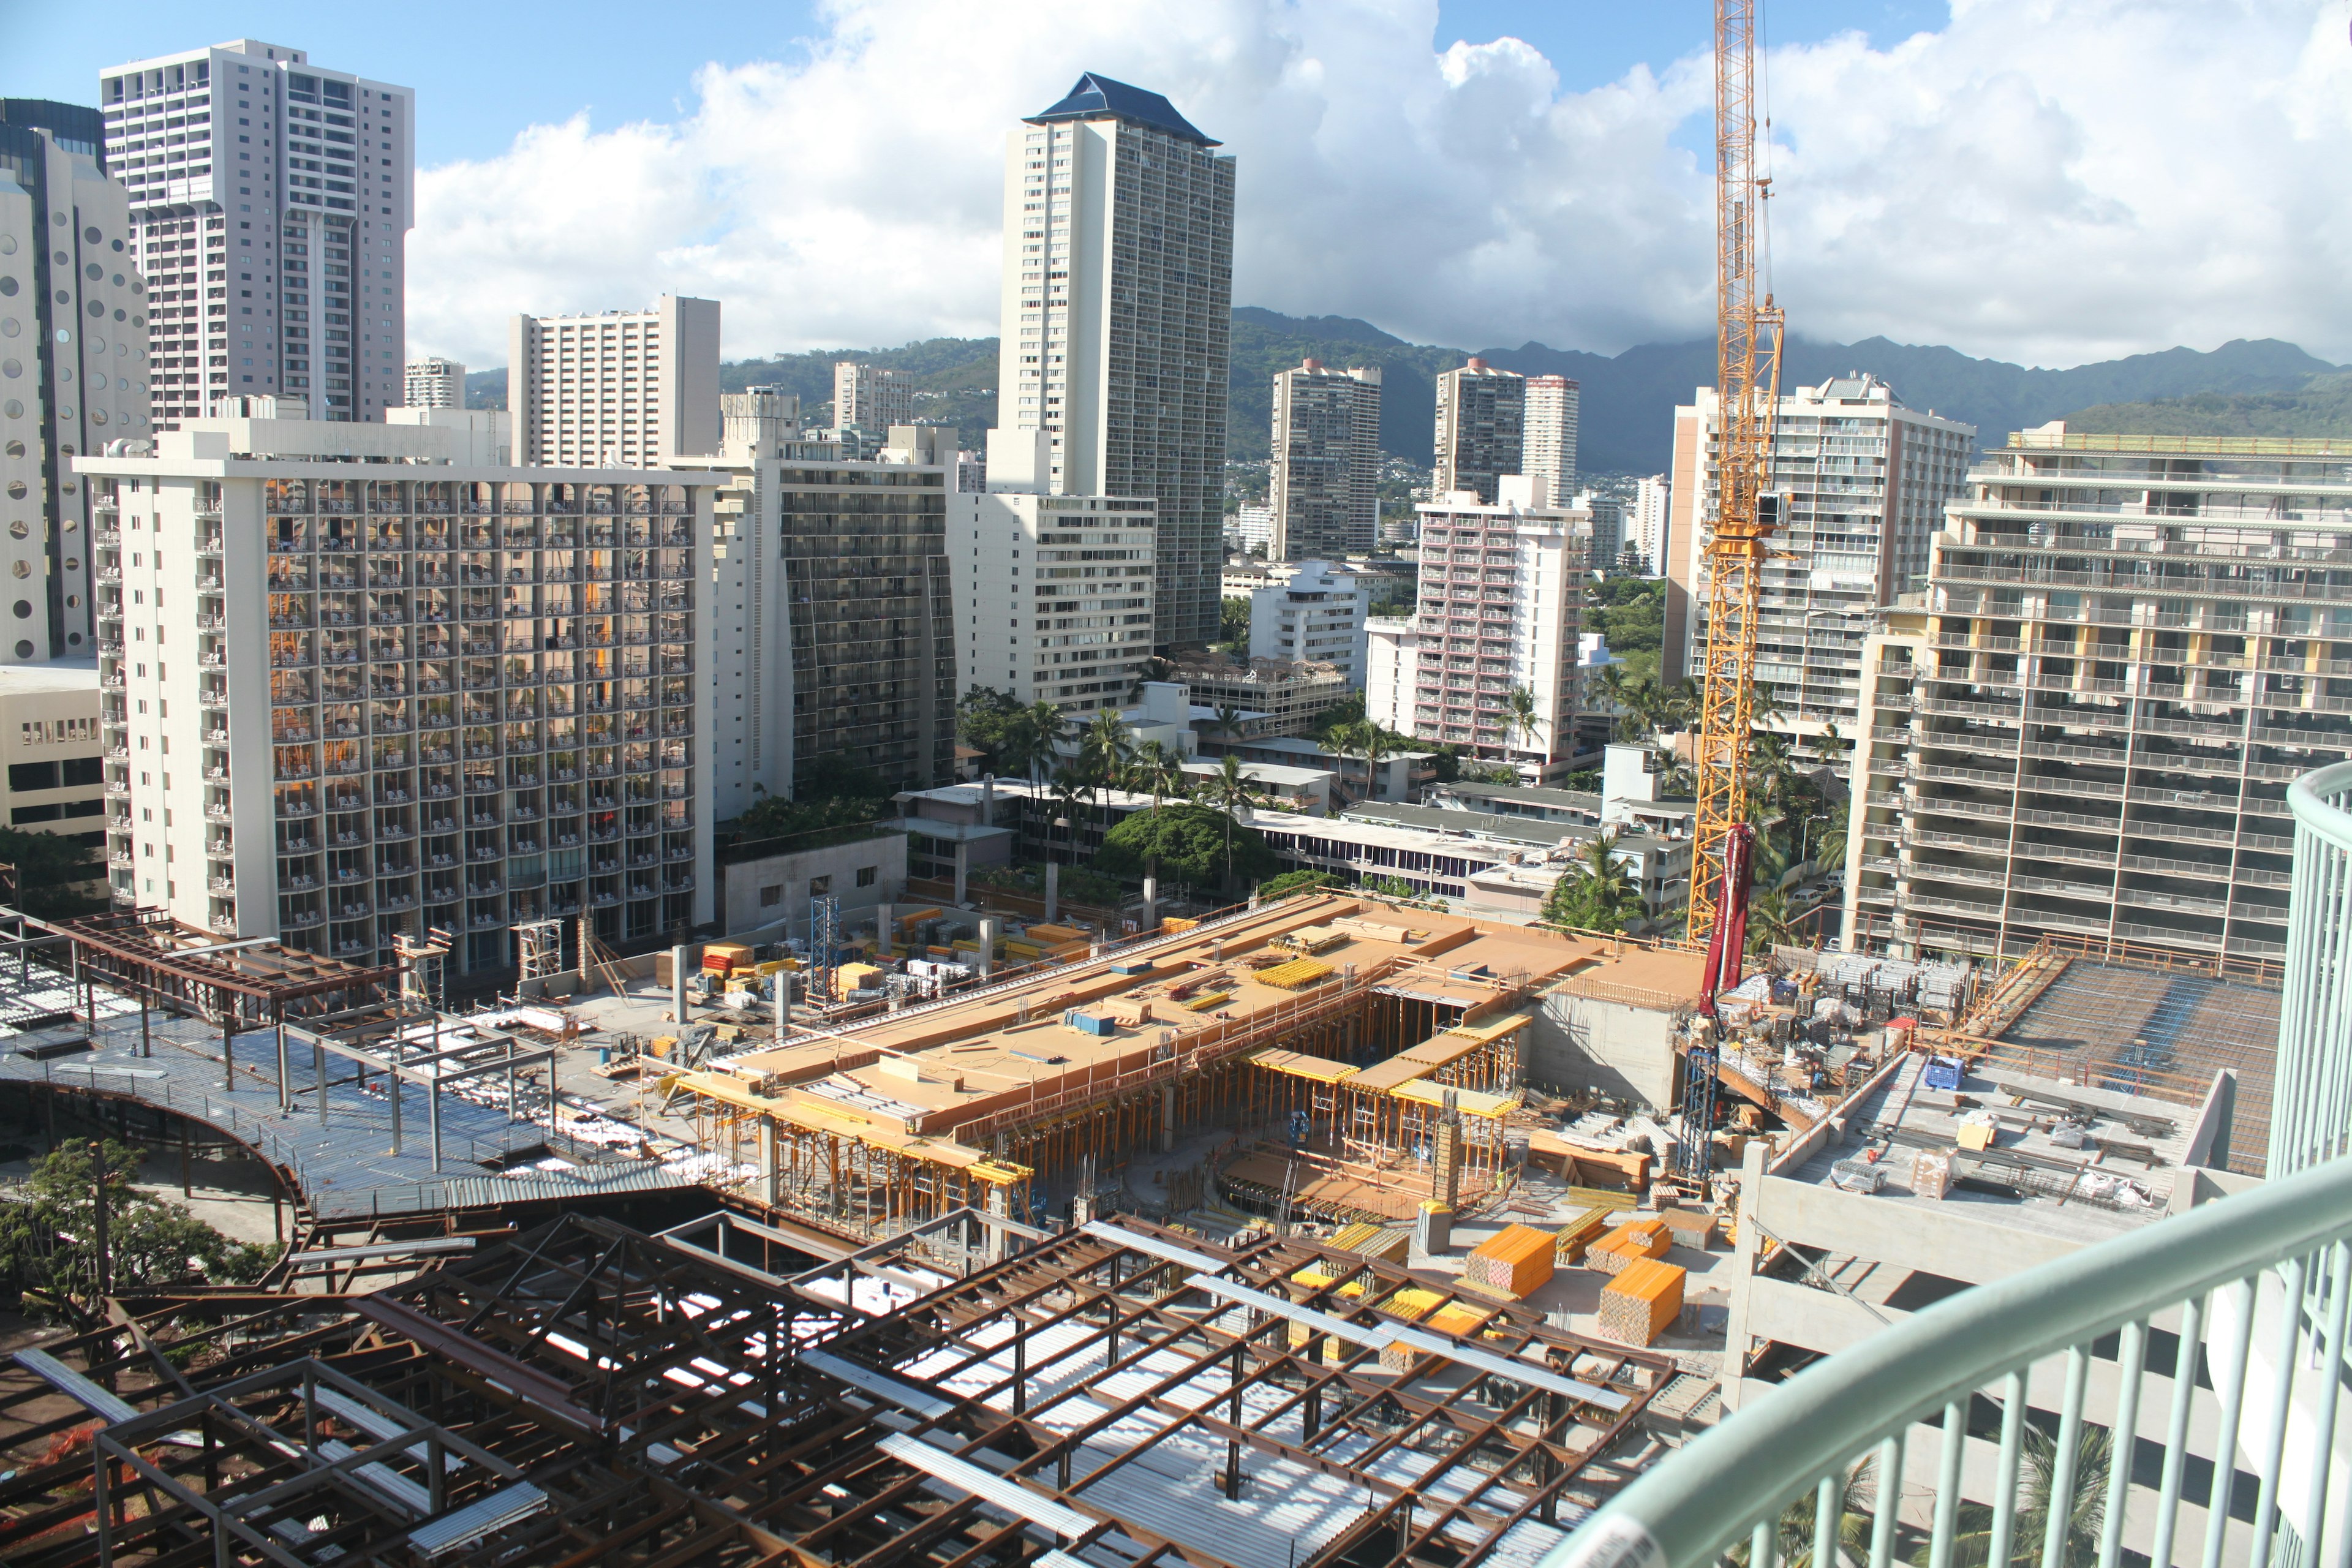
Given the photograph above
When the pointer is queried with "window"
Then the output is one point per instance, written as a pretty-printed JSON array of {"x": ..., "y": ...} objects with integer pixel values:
[
  {"x": 84, "y": 771},
  {"x": 820, "y": 886},
  {"x": 31, "y": 776},
  {"x": 867, "y": 875},
  {"x": 770, "y": 896}
]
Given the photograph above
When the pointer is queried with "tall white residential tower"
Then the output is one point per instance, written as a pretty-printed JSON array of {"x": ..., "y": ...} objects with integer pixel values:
[
  {"x": 1119, "y": 248},
  {"x": 1327, "y": 461},
  {"x": 1548, "y": 447},
  {"x": 628, "y": 389},
  {"x": 272, "y": 200},
  {"x": 869, "y": 397},
  {"x": 435, "y": 383},
  {"x": 73, "y": 366},
  {"x": 1481, "y": 429}
]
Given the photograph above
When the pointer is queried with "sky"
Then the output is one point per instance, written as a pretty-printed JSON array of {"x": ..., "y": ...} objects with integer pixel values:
[{"x": 2045, "y": 181}]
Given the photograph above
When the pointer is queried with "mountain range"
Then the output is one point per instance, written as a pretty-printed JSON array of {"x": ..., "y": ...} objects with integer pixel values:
[{"x": 2246, "y": 386}]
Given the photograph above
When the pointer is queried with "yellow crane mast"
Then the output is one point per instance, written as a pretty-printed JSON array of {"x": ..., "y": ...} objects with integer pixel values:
[{"x": 1747, "y": 395}]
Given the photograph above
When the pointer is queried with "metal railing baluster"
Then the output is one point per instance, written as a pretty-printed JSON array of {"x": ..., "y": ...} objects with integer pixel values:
[
  {"x": 2243, "y": 1296},
  {"x": 2289, "y": 1324},
  {"x": 2061, "y": 1510},
  {"x": 2131, "y": 1360}
]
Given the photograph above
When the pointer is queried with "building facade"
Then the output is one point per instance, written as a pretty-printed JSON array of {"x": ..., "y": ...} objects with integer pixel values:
[
  {"x": 869, "y": 397},
  {"x": 831, "y": 611},
  {"x": 1326, "y": 470},
  {"x": 74, "y": 365},
  {"x": 401, "y": 687},
  {"x": 626, "y": 389},
  {"x": 50, "y": 743},
  {"x": 272, "y": 200},
  {"x": 435, "y": 383},
  {"x": 1501, "y": 608},
  {"x": 2128, "y": 646},
  {"x": 1481, "y": 429},
  {"x": 1863, "y": 480},
  {"x": 1054, "y": 593},
  {"x": 1548, "y": 444},
  {"x": 1317, "y": 616},
  {"x": 1117, "y": 309},
  {"x": 1647, "y": 526}
]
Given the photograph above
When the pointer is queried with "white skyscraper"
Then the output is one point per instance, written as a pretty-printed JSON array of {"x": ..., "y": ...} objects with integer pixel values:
[
  {"x": 435, "y": 383},
  {"x": 73, "y": 366},
  {"x": 272, "y": 201},
  {"x": 626, "y": 388},
  {"x": 1481, "y": 429},
  {"x": 870, "y": 397},
  {"x": 1647, "y": 530},
  {"x": 1118, "y": 240},
  {"x": 1325, "y": 474},
  {"x": 1548, "y": 445}
]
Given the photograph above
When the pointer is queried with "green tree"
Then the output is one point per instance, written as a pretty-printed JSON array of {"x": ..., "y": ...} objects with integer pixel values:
[
  {"x": 1794, "y": 1529},
  {"x": 1228, "y": 721},
  {"x": 1595, "y": 894},
  {"x": 1234, "y": 625},
  {"x": 1150, "y": 669},
  {"x": 1032, "y": 738},
  {"x": 49, "y": 1231},
  {"x": 1191, "y": 843},
  {"x": 1290, "y": 882},
  {"x": 1773, "y": 922},
  {"x": 1228, "y": 791},
  {"x": 2085, "y": 1515},
  {"x": 49, "y": 865},
  {"x": 986, "y": 720},
  {"x": 1104, "y": 747},
  {"x": 1526, "y": 717}
]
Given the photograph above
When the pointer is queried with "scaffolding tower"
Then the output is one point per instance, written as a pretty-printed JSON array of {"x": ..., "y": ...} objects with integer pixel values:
[
  {"x": 424, "y": 968},
  {"x": 824, "y": 938},
  {"x": 539, "y": 947}
]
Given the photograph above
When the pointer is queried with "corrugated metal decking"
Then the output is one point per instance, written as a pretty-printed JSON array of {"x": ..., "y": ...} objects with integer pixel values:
[{"x": 1010, "y": 1496}]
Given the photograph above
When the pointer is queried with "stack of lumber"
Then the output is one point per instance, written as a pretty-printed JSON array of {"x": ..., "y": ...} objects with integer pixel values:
[
  {"x": 1629, "y": 1244},
  {"x": 1373, "y": 1241},
  {"x": 1514, "y": 1262},
  {"x": 1642, "y": 1302},
  {"x": 1581, "y": 1233}
]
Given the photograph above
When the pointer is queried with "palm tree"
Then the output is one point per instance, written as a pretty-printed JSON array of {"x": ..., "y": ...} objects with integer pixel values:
[
  {"x": 1150, "y": 669},
  {"x": 1772, "y": 923},
  {"x": 1228, "y": 720},
  {"x": 2093, "y": 1449},
  {"x": 1157, "y": 772},
  {"x": 1069, "y": 787},
  {"x": 1525, "y": 716},
  {"x": 1372, "y": 745},
  {"x": 1030, "y": 736},
  {"x": 1597, "y": 895},
  {"x": 1614, "y": 694},
  {"x": 1105, "y": 746},
  {"x": 1795, "y": 1526},
  {"x": 1228, "y": 791}
]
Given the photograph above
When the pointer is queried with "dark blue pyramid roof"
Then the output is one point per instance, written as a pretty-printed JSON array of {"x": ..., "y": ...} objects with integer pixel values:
[{"x": 1096, "y": 95}]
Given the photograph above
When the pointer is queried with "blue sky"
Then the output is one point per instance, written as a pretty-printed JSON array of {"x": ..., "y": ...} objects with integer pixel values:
[
  {"x": 475, "y": 97},
  {"x": 2045, "y": 181}
]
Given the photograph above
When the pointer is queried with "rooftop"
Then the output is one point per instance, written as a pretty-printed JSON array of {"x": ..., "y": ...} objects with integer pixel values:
[
  {"x": 58, "y": 675},
  {"x": 1095, "y": 96}
]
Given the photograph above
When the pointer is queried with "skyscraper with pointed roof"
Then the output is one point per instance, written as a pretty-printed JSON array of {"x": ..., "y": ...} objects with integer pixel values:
[{"x": 1119, "y": 247}]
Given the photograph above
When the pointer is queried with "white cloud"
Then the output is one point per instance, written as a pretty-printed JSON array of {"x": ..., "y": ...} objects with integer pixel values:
[{"x": 2046, "y": 180}]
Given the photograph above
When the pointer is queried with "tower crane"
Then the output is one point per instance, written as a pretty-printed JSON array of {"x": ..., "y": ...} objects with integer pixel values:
[{"x": 1747, "y": 398}]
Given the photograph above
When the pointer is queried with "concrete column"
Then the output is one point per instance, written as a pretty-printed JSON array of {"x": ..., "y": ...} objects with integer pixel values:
[
  {"x": 1053, "y": 891},
  {"x": 771, "y": 1179},
  {"x": 1150, "y": 903},
  {"x": 988, "y": 948},
  {"x": 884, "y": 929},
  {"x": 783, "y": 1000},
  {"x": 1168, "y": 1119},
  {"x": 963, "y": 867},
  {"x": 677, "y": 984}
]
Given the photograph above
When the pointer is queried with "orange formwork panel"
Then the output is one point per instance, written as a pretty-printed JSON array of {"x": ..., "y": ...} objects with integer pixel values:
[
  {"x": 1515, "y": 1261},
  {"x": 1629, "y": 1244},
  {"x": 1642, "y": 1302}
]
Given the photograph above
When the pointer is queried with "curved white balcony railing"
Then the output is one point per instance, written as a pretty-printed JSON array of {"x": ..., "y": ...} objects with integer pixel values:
[
  {"x": 2314, "y": 1051},
  {"x": 2216, "y": 1331}
]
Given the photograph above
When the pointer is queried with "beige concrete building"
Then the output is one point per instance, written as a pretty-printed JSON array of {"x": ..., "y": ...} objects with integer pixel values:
[
  {"x": 1117, "y": 311},
  {"x": 49, "y": 742},
  {"x": 1326, "y": 469},
  {"x": 360, "y": 680},
  {"x": 627, "y": 389},
  {"x": 74, "y": 367},
  {"x": 1481, "y": 429},
  {"x": 435, "y": 383},
  {"x": 273, "y": 199},
  {"x": 869, "y": 397},
  {"x": 1864, "y": 480}
]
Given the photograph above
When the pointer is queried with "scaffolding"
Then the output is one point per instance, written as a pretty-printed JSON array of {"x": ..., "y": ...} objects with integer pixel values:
[
  {"x": 824, "y": 942},
  {"x": 539, "y": 949},
  {"x": 424, "y": 966}
]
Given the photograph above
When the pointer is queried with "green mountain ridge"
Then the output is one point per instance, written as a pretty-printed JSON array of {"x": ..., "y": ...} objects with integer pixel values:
[{"x": 1628, "y": 399}]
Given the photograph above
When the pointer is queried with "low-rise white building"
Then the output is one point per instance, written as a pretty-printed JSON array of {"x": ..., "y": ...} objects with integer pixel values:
[
  {"x": 1318, "y": 614},
  {"x": 49, "y": 742}
]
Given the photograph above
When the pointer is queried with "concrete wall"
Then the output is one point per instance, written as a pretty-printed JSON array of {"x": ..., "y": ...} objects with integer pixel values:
[
  {"x": 786, "y": 879},
  {"x": 1610, "y": 1047}
]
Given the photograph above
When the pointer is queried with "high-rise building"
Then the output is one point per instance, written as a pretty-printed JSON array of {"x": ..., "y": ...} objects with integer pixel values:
[
  {"x": 833, "y": 618},
  {"x": 74, "y": 367},
  {"x": 1863, "y": 481},
  {"x": 272, "y": 200},
  {"x": 1326, "y": 470},
  {"x": 2128, "y": 646},
  {"x": 1316, "y": 617},
  {"x": 435, "y": 383},
  {"x": 1647, "y": 530},
  {"x": 1547, "y": 447},
  {"x": 1608, "y": 515},
  {"x": 1481, "y": 429},
  {"x": 627, "y": 389},
  {"x": 1033, "y": 623},
  {"x": 1502, "y": 606},
  {"x": 364, "y": 679},
  {"x": 869, "y": 397},
  {"x": 1119, "y": 250}
]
